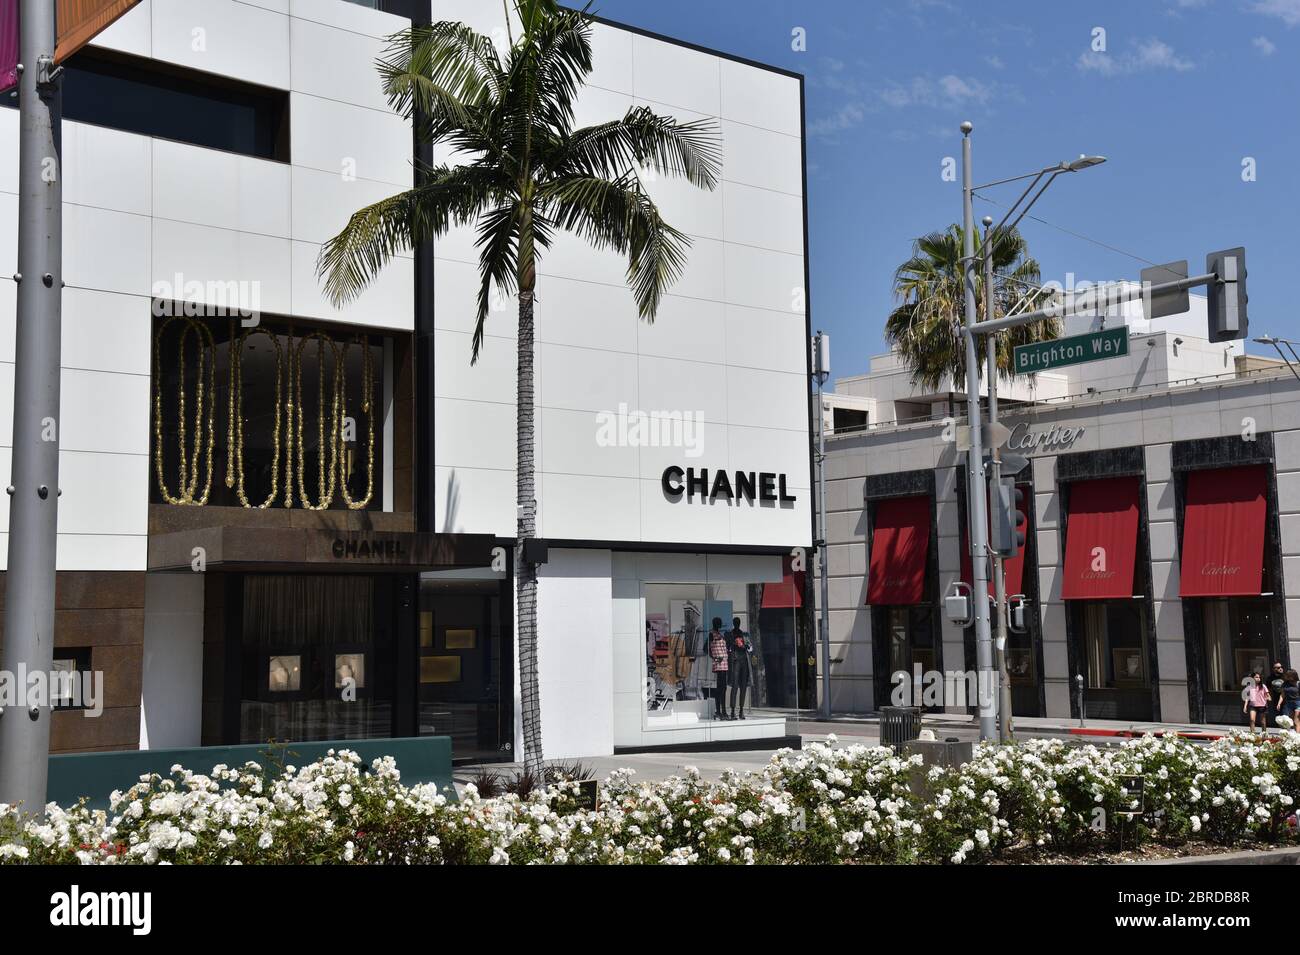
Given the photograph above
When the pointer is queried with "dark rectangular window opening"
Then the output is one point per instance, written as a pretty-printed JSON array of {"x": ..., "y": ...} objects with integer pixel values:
[
  {"x": 72, "y": 686},
  {"x": 138, "y": 95}
]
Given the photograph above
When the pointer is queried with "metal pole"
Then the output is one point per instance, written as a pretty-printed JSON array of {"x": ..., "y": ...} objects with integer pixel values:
[
  {"x": 975, "y": 485},
  {"x": 823, "y": 552},
  {"x": 34, "y": 475},
  {"x": 999, "y": 578}
]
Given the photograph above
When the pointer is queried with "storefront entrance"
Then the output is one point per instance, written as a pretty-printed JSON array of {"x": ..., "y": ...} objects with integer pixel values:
[{"x": 463, "y": 689}]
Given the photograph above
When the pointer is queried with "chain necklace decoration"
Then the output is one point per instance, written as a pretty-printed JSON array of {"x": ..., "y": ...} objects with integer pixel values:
[
  {"x": 235, "y": 430},
  {"x": 288, "y": 437},
  {"x": 204, "y": 413},
  {"x": 327, "y": 432},
  {"x": 367, "y": 407},
  {"x": 196, "y": 457}
]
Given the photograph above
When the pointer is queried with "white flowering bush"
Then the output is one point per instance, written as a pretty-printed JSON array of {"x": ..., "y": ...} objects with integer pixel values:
[{"x": 822, "y": 804}]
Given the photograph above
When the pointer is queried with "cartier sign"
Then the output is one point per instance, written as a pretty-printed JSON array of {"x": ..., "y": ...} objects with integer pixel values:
[
  {"x": 1055, "y": 438},
  {"x": 732, "y": 485}
]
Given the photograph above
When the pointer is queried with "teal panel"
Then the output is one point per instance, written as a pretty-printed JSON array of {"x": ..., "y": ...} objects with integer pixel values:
[{"x": 420, "y": 759}]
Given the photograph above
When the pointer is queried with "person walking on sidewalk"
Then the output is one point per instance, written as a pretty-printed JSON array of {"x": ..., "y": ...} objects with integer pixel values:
[
  {"x": 1256, "y": 702},
  {"x": 1275, "y": 680},
  {"x": 1290, "y": 696}
]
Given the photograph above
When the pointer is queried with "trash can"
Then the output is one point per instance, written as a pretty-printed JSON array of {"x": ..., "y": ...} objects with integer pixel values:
[{"x": 899, "y": 725}]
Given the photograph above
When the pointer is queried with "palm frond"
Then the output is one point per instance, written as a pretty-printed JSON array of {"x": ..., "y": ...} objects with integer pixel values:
[
  {"x": 642, "y": 137},
  {"x": 617, "y": 214},
  {"x": 446, "y": 196}
]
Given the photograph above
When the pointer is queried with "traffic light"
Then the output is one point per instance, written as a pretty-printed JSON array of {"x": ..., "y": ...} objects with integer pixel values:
[
  {"x": 1007, "y": 525},
  {"x": 1227, "y": 295}
]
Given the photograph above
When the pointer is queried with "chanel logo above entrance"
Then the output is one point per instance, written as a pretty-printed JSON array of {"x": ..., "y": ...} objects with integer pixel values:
[
  {"x": 734, "y": 485},
  {"x": 364, "y": 549}
]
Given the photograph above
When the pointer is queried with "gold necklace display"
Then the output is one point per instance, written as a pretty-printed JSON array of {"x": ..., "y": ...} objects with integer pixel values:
[
  {"x": 331, "y": 478},
  {"x": 188, "y": 467},
  {"x": 324, "y": 491},
  {"x": 367, "y": 397},
  {"x": 235, "y": 418}
]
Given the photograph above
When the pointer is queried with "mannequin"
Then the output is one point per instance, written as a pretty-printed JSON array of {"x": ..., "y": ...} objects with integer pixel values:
[
  {"x": 740, "y": 668},
  {"x": 718, "y": 653}
]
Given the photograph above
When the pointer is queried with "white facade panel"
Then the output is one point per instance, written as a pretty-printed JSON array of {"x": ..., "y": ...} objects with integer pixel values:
[
  {"x": 344, "y": 139},
  {"x": 573, "y": 605},
  {"x": 172, "y": 666},
  {"x": 727, "y": 343},
  {"x": 239, "y": 193},
  {"x": 104, "y": 168},
  {"x": 239, "y": 40}
]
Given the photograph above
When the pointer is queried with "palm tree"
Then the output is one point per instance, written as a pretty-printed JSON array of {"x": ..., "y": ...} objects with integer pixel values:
[
  {"x": 926, "y": 326},
  {"x": 528, "y": 174}
]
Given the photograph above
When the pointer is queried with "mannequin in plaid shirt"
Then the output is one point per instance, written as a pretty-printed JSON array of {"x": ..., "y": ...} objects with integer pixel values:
[{"x": 718, "y": 653}]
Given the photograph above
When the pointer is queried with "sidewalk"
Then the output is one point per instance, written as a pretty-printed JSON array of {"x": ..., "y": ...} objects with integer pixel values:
[
  {"x": 850, "y": 730},
  {"x": 965, "y": 726}
]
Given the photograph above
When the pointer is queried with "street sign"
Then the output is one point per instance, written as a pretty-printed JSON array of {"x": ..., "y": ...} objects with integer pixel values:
[
  {"x": 1011, "y": 463},
  {"x": 994, "y": 436},
  {"x": 1166, "y": 303},
  {"x": 1075, "y": 350}
]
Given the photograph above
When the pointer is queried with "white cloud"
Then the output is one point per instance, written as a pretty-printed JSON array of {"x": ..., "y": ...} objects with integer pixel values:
[
  {"x": 1152, "y": 54},
  {"x": 1288, "y": 11},
  {"x": 995, "y": 62},
  {"x": 1265, "y": 46}
]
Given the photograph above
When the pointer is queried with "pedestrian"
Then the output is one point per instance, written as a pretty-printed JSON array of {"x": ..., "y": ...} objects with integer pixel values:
[
  {"x": 1290, "y": 696},
  {"x": 1256, "y": 702},
  {"x": 1275, "y": 692}
]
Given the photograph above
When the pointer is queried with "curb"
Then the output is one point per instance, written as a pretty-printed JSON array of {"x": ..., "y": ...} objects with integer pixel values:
[{"x": 1287, "y": 856}]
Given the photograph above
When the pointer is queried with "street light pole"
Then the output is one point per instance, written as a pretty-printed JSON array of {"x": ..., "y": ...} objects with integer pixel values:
[
  {"x": 999, "y": 578},
  {"x": 823, "y": 552},
  {"x": 34, "y": 473},
  {"x": 975, "y": 484}
]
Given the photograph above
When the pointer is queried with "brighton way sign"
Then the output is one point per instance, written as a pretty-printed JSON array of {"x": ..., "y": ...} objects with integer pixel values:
[{"x": 1059, "y": 352}]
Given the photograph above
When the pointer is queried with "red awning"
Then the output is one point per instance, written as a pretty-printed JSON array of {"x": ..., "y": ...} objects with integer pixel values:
[
  {"x": 1223, "y": 533},
  {"x": 1101, "y": 539},
  {"x": 899, "y": 546},
  {"x": 1013, "y": 567},
  {"x": 788, "y": 593}
]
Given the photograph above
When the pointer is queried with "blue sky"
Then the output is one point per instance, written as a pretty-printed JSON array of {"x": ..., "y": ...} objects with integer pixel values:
[{"x": 1184, "y": 93}]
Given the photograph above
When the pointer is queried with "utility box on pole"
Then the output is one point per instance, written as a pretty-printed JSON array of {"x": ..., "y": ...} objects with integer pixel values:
[{"x": 1227, "y": 295}]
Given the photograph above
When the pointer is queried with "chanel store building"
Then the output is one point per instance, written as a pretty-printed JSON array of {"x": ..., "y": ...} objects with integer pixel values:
[{"x": 280, "y": 520}]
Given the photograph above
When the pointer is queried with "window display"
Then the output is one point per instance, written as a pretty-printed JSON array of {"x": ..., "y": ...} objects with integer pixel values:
[
  {"x": 715, "y": 654},
  {"x": 1238, "y": 641}
]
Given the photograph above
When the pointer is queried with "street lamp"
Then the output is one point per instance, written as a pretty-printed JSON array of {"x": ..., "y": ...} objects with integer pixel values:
[
  {"x": 975, "y": 476},
  {"x": 1277, "y": 344}
]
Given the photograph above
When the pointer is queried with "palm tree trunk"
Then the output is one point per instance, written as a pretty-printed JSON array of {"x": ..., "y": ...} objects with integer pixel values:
[{"x": 525, "y": 572}]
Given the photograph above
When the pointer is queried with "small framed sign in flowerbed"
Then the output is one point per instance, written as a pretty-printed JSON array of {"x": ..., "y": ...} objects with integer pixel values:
[{"x": 1039, "y": 801}]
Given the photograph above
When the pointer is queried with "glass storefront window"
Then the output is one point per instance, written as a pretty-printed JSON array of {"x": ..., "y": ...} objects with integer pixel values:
[
  {"x": 1114, "y": 643},
  {"x": 1238, "y": 641},
  {"x": 317, "y": 660},
  {"x": 714, "y": 653}
]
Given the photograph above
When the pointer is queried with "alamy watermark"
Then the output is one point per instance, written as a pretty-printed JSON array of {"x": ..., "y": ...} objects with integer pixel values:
[
  {"x": 630, "y": 428},
  {"x": 79, "y": 689},
  {"x": 193, "y": 298},
  {"x": 945, "y": 688}
]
